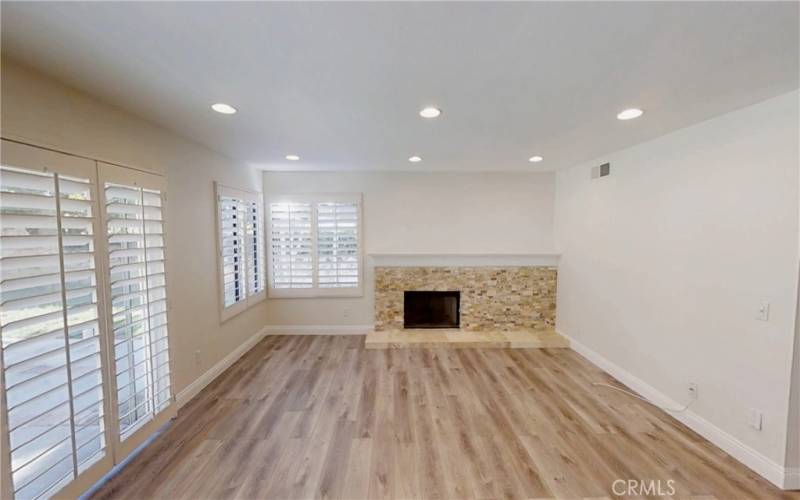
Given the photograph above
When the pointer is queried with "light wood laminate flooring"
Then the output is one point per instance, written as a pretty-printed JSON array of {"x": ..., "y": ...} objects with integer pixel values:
[{"x": 322, "y": 417}]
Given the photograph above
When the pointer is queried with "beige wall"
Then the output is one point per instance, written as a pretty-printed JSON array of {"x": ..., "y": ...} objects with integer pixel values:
[
  {"x": 40, "y": 111},
  {"x": 422, "y": 213},
  {"x": 666, "y": 262}
]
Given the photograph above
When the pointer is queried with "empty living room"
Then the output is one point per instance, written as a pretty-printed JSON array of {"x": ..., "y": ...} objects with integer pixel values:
[{"x": 399, "y": 250}]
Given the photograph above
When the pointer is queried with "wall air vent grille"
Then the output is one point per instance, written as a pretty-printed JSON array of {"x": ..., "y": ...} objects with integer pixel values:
[{"x": 603, "y": 170}]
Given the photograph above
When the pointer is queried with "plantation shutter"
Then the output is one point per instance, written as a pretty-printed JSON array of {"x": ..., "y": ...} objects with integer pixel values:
[
  {"x": 241, "y": 249},
  {"x": 315, "y": 246},
  {"x": 54, "y": 420},
  {"x": 255, "y": 247},
  {"x": 291, "y": 245},
  {"x": 337, "y": 244},
  {"x": 137, "y": 292},
  {"x": 232, "y": 223}
]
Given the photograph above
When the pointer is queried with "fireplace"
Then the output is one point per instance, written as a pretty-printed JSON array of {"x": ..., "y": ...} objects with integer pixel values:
[{"x": 431, "y": 309}]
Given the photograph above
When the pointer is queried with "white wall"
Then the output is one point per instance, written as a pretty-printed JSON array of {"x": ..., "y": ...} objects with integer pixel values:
[
  {"x": 666, "y": 262},
  {"x": 429, "y": 213},
  {"x": 40, "y": 111}
]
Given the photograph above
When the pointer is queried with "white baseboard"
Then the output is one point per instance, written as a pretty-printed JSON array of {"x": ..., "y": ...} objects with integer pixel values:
[
  {"x": 206, "y": 378},
  {"x": 318, "y": 329},
  {"x": 771, "y": 471}
]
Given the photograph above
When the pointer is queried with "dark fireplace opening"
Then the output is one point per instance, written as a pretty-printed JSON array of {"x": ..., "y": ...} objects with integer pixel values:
[{"x": 431, "y": 309}]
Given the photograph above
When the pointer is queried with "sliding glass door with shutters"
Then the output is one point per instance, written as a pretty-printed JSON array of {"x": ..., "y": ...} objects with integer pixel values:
[
  {"x": 84, "y": 364},
  {"x": 55, "y": 420},
  {"x": 137, "y": 320}
]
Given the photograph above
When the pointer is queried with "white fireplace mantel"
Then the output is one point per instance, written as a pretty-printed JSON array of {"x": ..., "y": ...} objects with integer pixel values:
[{"x": 463, "y": 260}]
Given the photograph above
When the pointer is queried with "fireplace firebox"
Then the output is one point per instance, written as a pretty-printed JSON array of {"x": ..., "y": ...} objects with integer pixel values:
[{"x": 431, "y": 309}]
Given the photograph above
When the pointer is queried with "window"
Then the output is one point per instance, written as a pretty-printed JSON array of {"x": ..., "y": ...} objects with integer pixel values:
[
  {"x": 241, "y": 249},
  {"x": 82, "y": 297},
  {"x": 315, "y": 246}
]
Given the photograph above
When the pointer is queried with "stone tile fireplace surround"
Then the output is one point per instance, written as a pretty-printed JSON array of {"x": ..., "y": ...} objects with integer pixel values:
[{"x": 505, "y": 298}]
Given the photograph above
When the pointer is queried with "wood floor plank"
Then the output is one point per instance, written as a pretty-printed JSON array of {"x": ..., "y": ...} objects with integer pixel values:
[
  {"x": 322, "y": 417},
  {"x": 381, "y": 483},
  {"x": 357, "y": 472}
]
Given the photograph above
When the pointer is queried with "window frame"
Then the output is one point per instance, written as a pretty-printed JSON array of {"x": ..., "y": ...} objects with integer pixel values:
[
  {"x": 249, "y": 300},
  {"x": 315, "y": 291}
]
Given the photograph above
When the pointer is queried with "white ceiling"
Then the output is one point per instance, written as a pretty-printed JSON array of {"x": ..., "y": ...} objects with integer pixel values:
[{"x": 340, "y": 84}]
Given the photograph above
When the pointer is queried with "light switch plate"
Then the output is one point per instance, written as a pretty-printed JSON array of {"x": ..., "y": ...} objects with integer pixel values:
[{"x": 763, "y": 312}]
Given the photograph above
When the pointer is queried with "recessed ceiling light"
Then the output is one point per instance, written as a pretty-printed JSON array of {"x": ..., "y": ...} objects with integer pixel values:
[
  {"x": 415, "y": 159},
  {"x": 630, "y": 114},
  {"x": 225, "y": 109},
  {"x": 535, "y": 159},
  {"x": 292, "y": 157},
  {"x": 430, "y": 112}
]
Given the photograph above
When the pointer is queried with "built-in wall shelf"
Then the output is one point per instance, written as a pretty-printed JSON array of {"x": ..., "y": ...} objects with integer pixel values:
[{"x": 463, "y": 260}]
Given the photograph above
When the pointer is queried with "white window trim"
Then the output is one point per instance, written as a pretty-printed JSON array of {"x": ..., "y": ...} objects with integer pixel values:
[
  {"x": 226, "y": 313},
  {"x": 315, "y": 291}
]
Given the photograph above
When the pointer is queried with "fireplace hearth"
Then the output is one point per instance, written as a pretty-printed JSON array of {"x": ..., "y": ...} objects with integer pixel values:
[{"x": 427, "y": 309}]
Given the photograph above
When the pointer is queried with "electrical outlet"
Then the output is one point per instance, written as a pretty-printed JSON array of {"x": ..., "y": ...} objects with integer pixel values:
[
  {"x": 197, "y": 357},
  {"x": 755, "y": 418},
  {"x": 692, "y": 390},
  {"x": 346, "y": 313},
  {"x": 763, "y": 312}
]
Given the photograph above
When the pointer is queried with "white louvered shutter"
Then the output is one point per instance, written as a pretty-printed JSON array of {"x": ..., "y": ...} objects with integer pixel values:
[
  {"x": 50, "y": 327},
  {"x": 291, "y": 245},
  {"x": 315, "y": 246},
  {"x": 337, "y": 244},
  {"x": 254, "y": 243},
  {"x": 240, "y": 222},
  {"x": 138, "y": 304},
  {"x": 232, "y": 223}
]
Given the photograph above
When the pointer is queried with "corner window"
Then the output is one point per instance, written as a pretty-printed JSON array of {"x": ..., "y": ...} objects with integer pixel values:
[
  {"x": 315, "y": 246},
  {"x": 240, "y": 223}
]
